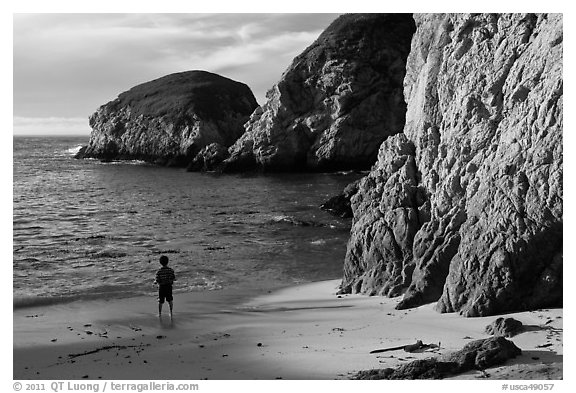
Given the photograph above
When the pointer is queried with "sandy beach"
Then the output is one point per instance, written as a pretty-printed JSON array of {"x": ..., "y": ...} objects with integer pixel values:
[{"x": 303, "y": 332}]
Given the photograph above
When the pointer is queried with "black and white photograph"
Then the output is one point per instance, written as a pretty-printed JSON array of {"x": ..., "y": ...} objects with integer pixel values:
[{"x": 333, "y": 195}]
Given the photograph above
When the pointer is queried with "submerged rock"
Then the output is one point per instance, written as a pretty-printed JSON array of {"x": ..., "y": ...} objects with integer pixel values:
[
  {"x": 336, "y": 103},
  {"x": 339, "y": 205},
  {"x": 476, "y": 355},
  {"x": 169, "y": 120},
  {"x": 465, "y": 206}
]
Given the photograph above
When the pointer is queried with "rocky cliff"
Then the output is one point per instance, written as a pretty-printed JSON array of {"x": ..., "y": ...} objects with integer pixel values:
[
  {"x": 170, "y": 119},
  {"x": 465, "y": 206},
  {"x": 336, "y": 102}
]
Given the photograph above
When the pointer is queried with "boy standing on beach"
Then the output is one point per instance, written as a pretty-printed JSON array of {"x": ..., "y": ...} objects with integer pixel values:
[{"x": 164, "y": 279}]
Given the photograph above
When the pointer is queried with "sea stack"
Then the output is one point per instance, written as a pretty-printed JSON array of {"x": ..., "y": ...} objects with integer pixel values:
[
  {"x": 169, "y": 120},
  {"x": 464, "y": 208},
  {"x": 335, "y": 103}
]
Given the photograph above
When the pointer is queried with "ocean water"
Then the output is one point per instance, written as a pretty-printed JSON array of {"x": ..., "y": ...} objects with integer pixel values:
[{"x": 83, "y": 229}]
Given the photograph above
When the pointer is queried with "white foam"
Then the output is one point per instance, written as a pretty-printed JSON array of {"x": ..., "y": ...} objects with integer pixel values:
[
  {"x": 281, "y": 218},
  {"x": 74, "y": 150}
]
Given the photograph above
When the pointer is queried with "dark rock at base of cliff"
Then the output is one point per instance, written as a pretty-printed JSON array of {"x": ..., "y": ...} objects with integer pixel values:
[
  {"x": 476, "y": 355},
  {"x": 336, "y": 102},
  {"x": 505, "y": 327},
  {"x": 81, "y": 153},
  {"x": 339, "y": 205},
  {"x": 209, "y": 158},
  {"x": 168, "y": 121}
]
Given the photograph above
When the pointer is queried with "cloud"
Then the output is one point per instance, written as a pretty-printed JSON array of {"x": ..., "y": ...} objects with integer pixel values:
[
  {"x": 51, "y": 125},
  {"x": 66, "y": 65}
]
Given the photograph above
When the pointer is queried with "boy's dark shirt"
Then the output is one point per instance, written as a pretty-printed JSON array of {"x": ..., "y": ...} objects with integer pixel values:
[{"x": 165, "y": 276}]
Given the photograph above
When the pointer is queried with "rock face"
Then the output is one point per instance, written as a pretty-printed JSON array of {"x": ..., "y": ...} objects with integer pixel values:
[
  {"x": 476, "y": 355},
  {"x": 336, "y": 103},
  {"x": 465, "y": 206},
  {"x": 170, "y": 119}
]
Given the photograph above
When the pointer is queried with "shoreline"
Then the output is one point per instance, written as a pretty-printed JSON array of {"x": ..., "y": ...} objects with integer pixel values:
[{"x": 301, "y": 332}]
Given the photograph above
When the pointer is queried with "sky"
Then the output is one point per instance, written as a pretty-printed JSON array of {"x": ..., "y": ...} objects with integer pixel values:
[{"x": 66, "y": 65}]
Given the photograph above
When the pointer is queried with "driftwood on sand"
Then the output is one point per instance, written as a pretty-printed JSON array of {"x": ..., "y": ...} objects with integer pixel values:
[
  {"x": 476, "y": 355},
  {"x": 418, "y": 345}
]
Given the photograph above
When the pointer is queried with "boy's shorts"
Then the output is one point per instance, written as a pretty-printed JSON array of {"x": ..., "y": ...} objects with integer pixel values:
[{"x": 164, "y": 292}]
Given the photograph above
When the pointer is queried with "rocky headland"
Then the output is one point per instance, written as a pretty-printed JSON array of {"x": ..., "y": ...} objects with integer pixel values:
[
  {"x": 169, "y": 120},
  {"x": 335, "y": 104},
  {"x": 464, "y": 208}
]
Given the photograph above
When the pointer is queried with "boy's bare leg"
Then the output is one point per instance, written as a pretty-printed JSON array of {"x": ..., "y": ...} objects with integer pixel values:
[
  {"x": 171, "y": 304},
  {"x": 159, "y": 309}
]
